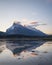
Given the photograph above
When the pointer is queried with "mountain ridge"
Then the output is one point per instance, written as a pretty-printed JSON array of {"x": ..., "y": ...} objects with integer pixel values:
[{"x": 17, "y": 28}]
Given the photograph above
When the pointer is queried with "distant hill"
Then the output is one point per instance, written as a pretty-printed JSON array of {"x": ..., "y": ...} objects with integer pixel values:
[{"x": 2, "y": 34}]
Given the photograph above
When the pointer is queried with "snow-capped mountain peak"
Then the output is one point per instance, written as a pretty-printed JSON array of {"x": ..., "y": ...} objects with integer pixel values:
[{"x": 17, "y": 28}]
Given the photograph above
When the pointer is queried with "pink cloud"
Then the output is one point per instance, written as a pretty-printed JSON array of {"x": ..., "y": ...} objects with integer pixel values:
[{"x": 34, "y": 22}]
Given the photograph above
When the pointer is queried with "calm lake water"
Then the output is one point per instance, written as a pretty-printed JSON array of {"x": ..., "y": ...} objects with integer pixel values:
[{"x": 13, "y": 52}]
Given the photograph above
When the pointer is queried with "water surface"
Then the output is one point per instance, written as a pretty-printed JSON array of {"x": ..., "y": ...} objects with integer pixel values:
[{"x": 14, "y": 52}]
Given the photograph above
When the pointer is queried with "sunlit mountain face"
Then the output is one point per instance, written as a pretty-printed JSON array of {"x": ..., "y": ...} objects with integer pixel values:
[{"x": 17, "y": 28}]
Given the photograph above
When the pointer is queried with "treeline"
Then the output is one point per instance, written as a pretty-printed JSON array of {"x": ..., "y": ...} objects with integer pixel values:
[{"x": 48, "y": 37}]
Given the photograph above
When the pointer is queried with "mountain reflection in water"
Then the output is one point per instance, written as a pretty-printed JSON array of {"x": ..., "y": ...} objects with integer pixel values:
[{"x": 15, "y": 52}]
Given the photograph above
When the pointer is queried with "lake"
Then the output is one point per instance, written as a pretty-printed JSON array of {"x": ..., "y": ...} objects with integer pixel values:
[{"x": 18, "y": 52}]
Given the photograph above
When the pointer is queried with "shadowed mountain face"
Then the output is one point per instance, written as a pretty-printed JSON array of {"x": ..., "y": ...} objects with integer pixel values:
[
  {"x": 2, "y": 34},
  {"x": 17, "y": 28}
]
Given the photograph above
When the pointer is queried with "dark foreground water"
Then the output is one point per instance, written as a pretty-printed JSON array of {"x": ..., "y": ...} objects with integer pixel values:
[{"x": 15, "y": 52}]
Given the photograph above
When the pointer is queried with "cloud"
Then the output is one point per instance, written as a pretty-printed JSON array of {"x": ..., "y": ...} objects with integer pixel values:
[
  {"x": 35, "y": 24},
  {"x": 24, "y": 19}
]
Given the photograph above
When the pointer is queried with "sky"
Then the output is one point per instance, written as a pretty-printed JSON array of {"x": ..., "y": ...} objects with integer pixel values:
[{"x": 26, "y": 11}]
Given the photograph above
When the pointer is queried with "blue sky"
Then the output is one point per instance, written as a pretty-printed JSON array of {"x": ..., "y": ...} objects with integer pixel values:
[{"x": 26, "y": 11}]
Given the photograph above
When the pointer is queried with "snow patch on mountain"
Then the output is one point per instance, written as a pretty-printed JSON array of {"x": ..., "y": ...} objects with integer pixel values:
[{"x": 17, "y": 28}]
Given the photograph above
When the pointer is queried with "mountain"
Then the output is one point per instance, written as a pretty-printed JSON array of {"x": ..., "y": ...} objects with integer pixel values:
[
  {"x": 18, "y": 29},
  {"x": 2, "y": 33}
]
